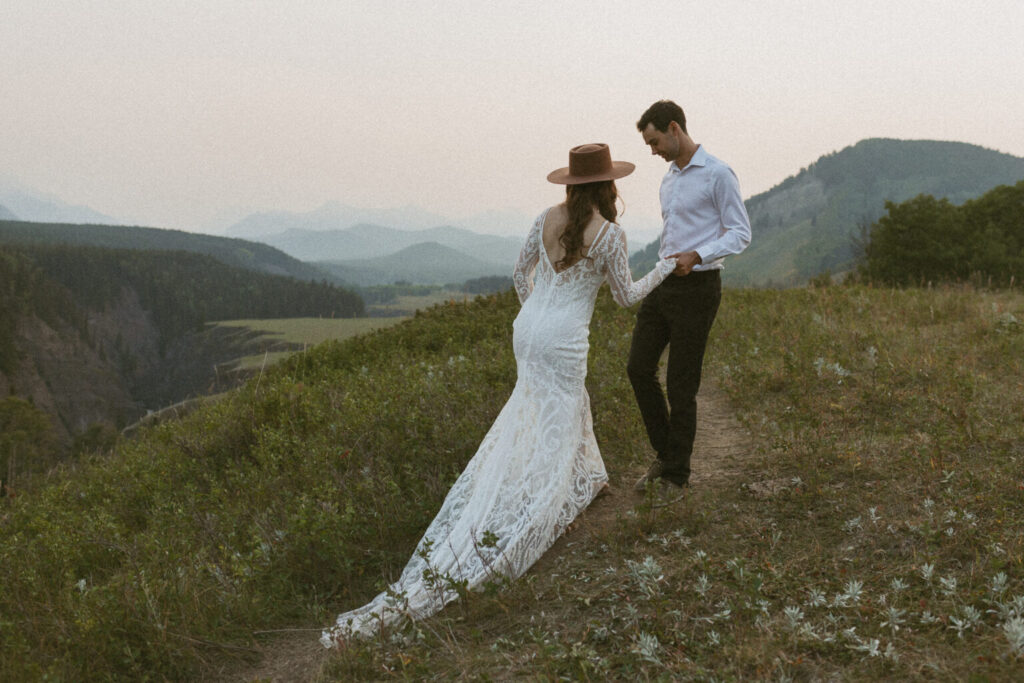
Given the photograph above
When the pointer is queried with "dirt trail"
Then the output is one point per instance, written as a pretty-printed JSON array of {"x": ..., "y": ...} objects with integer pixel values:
[{"x": 721, "y": 449}]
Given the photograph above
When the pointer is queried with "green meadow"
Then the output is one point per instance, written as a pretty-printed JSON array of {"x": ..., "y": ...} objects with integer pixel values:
[
  {"x": 304, "y": 332},
  {"x": 890, "y": 423}
]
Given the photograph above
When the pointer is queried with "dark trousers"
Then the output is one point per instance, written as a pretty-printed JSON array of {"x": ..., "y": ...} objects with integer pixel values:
[{"x": 678, "y": 314}]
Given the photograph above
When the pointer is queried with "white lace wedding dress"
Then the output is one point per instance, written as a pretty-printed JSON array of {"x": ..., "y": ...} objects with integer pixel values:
[{"x": 539, "y": 465}]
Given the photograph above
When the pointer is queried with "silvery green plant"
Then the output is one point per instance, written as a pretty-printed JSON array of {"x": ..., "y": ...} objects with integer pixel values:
[
  {"x": 647, "y": 646},
  {"x": 969, "y": 618},
  {"x": 646, "y": 575},
  {"x": 1013, "y": 629},
  {"x": 815, "y": 598}
]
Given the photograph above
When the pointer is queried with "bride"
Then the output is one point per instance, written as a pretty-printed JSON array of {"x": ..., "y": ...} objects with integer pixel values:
[{"x": 539, "y": 466}]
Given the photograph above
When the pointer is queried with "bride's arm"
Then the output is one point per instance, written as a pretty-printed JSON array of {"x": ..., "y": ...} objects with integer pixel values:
[
  {"x": 620, "y": 280},
  {"x": 528, "y": 257}
]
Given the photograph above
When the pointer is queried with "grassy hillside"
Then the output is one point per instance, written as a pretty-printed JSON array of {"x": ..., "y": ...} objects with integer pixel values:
[
  {"x": 808, "y": 224},
  {"x": 811, "y": 222},
  {"x": 233, "y": 252},
  {"x": 888, "y": 420}
]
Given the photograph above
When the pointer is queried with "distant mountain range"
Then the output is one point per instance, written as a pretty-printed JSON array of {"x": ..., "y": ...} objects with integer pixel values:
[
  {"x": 337, "y": 216},
  {"x": 810, "y": 223},
  {"x": 422, "y": 263},
  {"x": 233, "y": 252},
  {"x": 366, "y": 241},
  {"x": 27, "y": 204}
]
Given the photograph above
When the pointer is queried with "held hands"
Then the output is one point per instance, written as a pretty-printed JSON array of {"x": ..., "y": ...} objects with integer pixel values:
[{"x": 685, "y": 261}]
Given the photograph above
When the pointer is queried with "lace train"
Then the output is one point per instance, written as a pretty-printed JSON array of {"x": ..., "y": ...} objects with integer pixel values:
[{"x": 539, "y": 465}]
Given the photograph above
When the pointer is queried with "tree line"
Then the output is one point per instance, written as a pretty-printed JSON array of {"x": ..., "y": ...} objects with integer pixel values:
[
  {"x": 929, "y": 240},
  {"x": 182, "y": 290}
]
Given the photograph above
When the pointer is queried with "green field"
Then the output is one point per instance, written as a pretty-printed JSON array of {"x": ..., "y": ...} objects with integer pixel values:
[
  {"x": 408, "y": 305},
  {"x": 304, "y": 332}
]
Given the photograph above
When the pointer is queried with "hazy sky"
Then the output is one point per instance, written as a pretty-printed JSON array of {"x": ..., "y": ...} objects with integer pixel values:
[{"x": 184, "y": 114}]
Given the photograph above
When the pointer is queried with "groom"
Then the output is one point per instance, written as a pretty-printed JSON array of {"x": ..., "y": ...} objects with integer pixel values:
[{"x": 706, "y": 221}]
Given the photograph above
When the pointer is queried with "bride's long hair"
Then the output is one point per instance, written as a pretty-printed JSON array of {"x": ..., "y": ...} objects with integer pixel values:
[{"x": 580, "y": 202}]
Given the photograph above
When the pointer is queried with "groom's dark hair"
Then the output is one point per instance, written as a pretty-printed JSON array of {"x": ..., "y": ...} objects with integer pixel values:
[{"x": 662, "y": 113}]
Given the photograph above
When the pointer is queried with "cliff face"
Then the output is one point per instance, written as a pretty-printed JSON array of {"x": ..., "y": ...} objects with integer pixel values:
[
  {"x": 117, "y": 368},
  {"x": 66, "y": 378}
]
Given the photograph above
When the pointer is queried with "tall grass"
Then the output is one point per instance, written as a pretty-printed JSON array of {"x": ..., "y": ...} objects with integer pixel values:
[{"x": 893, "y": 419}]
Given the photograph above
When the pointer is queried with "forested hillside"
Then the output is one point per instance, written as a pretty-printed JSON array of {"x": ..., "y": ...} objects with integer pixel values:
[
  {"x": 812, "y": 222},
  {"x": 183, "y": 290},
  {"x": 233, "y": 252},
  {"x": 97, "y": 336}
]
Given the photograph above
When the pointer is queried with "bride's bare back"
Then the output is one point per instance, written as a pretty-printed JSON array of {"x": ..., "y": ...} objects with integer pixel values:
[{"x": 554, "y": 225}]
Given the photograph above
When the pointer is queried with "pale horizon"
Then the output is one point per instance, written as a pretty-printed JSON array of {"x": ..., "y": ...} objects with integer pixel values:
[{"x": 191, "y": 116}]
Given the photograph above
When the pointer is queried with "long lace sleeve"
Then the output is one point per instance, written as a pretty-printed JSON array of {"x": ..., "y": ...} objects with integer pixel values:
[
  {"x": 528, "y": 257},
  {"x": 620, "y": 280}
]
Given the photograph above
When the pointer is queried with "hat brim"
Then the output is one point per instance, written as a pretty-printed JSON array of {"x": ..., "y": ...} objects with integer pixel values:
[{"x": 619, "y": 169}]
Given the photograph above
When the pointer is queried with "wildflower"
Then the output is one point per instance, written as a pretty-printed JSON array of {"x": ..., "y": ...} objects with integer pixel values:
[
  {"x": 873, "y": 515},
  {"x": 714, "y": 638},
  {"x": 928, "y": 618},
  {"x": 81, "y": 585},
  {"x": 948, "y": 585},
  {"x": 898, "y": 585},
  {"x": 926, "y": 571}
]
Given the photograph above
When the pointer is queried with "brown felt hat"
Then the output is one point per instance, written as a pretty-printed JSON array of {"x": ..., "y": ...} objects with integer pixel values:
[{"x": 590, "y": 164}]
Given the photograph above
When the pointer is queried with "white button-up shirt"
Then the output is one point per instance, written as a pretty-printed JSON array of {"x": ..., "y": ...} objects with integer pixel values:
[{"x": 703, "y": 211}]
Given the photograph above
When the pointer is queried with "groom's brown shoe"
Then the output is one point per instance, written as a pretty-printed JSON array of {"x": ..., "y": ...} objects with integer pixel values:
[{"x": 653, "y": 474}]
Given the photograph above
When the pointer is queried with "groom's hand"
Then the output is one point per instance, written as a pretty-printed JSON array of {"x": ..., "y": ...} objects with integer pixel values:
[{"x": 685, "y": 262}]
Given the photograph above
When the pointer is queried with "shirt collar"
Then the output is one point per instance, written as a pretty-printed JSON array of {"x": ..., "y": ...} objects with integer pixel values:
[{"x": 699, "y": 158}]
